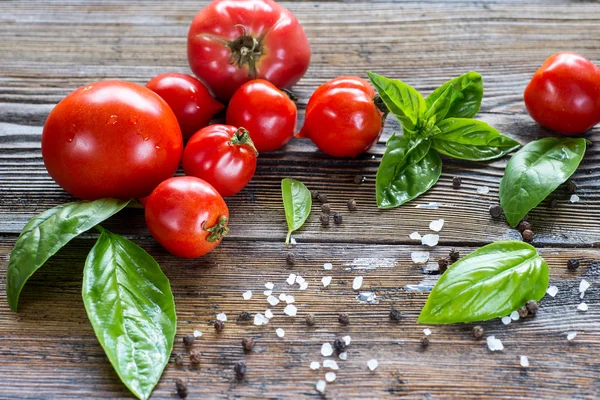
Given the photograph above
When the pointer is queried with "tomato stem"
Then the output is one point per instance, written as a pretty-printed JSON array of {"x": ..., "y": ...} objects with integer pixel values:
[
  {"x": 242, "y": 137},
  {"x": 245, "y": 50},
  {"x": 218, "y": 230}
]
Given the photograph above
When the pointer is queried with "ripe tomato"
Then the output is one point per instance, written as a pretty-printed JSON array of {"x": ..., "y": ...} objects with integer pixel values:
[
  {"x": 189, "y": 99},
  {"x": 232, "y": 42},
  {"x": 186, "y": 216},
  {"x": 267, "y": 112},
  {"x": 564, "y": 94},
  {"x": 341, "y": 117},
  {"x": 111, "y": 139},
  {"x": 223, "y": 156}
]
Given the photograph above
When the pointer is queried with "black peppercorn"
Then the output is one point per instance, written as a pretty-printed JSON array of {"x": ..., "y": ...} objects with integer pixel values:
[
  {"x": 240, "y": 369},
  {"x": 337, "y": 218},
  {"x": 324, "y": 218},
  {"x": 395, "y": 315},
  {"x": 573, "y": 264},
  {"x": 310, "y": 319},
  {"x": 188, "y": 339},
  {"x": 442, "y": 264},
  {"x": 290, "y": 259},
  {"x": 339, "y": 345},
  {"x": 532, "y": 307},
  {"x": 477, "y": 332},
  {"x": 524, "y": 226},
  {"x": 219, "y": 326},
  {"x": 495, "y": 211},
  {"x": 571, "y": 187},
  {"x": 248, "y": 344},
  {"x": 424, "y": 341},
  {"x": 314, "y": 194},
  {"x": 523, "y": 313},
  {"x": 553, "y": 203},
  {"x": 245, "y": 316},
  {"x": 322, "y": 198},
  {"x": 326, "y": 208},
  {"x": 351, "y": 205},
  {"x": 358, "y": 179},
  {"x": 195, "y": 357},
  {"x": 178, "y": 359},
  {"x": 527, "y": 235},
  {"x": 456, "y": 182},
  {"x": 344, "y": 319},
  {"x": 182, "y": 391},
  {"x": 454, "y": 255}
]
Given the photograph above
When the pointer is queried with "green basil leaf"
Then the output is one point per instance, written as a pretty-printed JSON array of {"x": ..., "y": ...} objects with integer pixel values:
[
  {"x": 47, "y": 233},
  {"x": 490, "y": 282},
  {"x": 439, "y": 108},
  {"x": 401, "y": 99},
  {"x": 129, "y": 302},
  {"x": 465, "y": 94},
  {"x": 535, "y": 171},
  {"x": 407, "y": 170},
  {"x": 469, "y": 139},
  {"x": 297, "y": 202}
]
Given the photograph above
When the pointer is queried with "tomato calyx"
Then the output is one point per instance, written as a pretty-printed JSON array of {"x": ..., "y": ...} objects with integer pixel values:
[
  {"x": 218, "y": 230},
  {"x": 245, "y": 50},
  {"x": 242, "y": 137},
  {"x": 291, "y": 95},
  {"x": 378, "y": 101}
]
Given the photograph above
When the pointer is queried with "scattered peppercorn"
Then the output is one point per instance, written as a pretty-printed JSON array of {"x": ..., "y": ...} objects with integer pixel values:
[
  {"x": 178, "y": 359},
  {"x": 182, "y": 391},
  {"x": 495, "y": 211},
  {"x": 195, "y": 357},
  {"x": 523, "y": 313},
  {"x": 553, "y": 203},
  {"x": 424, "y": 341},
  {"x": 339, "y": 345},
  {"x": 310, "y": 319},
  {"x": 344, "y": 319},
  {"x": 527, "y": 235},
  {"x": 524, "y": 226},
  {"x": 573, "y": 264},
  {"x": 395, "y": 315},
  {"x": 532, "y": 307},
  {"x": 358, "y": 179},
  {"x": 454, "y": 255},
  {"x": 337, "y": 218},
  {"x": 248, "y": 344},
  {"x": 240, "y": 369},
  {"x": 571, "y": 187},
  {"x": 219, "y": 326},
  {"x": 322, "y": 198},
  {"x": 442, "y": 264},
  {"x": 188, "y": 339},
  {"x": 456, "y": 182},
  {"x": 326, "y": 208},
  {"x": 324, "y": 218},
  {"x": 351, "y": 205},
  {"x": 477, "y": 331},
  {"x": 245, "y": 316},
  {"x": 314, "y": 194},
  {"x": 290, "y": 259}
]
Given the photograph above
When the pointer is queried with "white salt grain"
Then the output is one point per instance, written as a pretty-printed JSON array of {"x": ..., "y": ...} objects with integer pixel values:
[
  {"x": 483, "y": 190},
  {"x": 331, "y": 364},
  {"x": 273, "y": 300},
  {"x": 582, "y": 307},
  {"x": 330, "y": 376},
  {"x": 197, "y": 333},
  {"x": 290, "y": 299},
  {"x": 326, "y": 349},
  {"x": 280, "y": 332},
  {"x": 328, "y": 266},
  {"x": 259, "y": 319},
  {"x": 552, "y": 290},
  {"x": 290, "y": 310},
  {"x": 326, "y": 280},
  {"x": 269, "y": 285},
  {"x": 436, "y": 225},
  {"x": 320, "y": 386},
  {"x": 514, "y": 315},
  {"x": 268, "y": 313},
  {"x": 268, "y": 292},
  {"x": 524, "y": 362},
  {"x": 247, "y": 295},
  {"x": 427, "y": 331},
  {"x": 315, "y": 365},
  {"x": 430, "y": 240},
  {"x": 300, "y": 280},
  {"x": 372, "y": 364},
  {"x": 506, "y": 320},
  {"x": 343, "y": 356},
  {"x": 357, "y": 283},
  {"x": 419, "y": 257},
  {"x": 282, "y": 296},
  {"x": 293, "y": 241},
  {"x": 415, "y": 236},
  {"x": 494, "y": 344},
  {"x": 583, "y": 286},
  {"x": 574, "y": 198},
  {"x": 571, "y": 335},
  {"x": 347, "y": 340},
  {"x": 291, "y": 279},
  {"x": 222, "y": 317},
  {"x": 303, "y": 285}
]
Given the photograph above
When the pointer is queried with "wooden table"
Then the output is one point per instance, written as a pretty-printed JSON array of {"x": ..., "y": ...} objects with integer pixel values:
[{"x": 48, "y": 349}]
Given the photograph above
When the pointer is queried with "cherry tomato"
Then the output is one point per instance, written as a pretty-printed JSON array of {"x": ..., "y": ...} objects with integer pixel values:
[
  {"x": 341, "y": 117},
  {"x": 189, "y": 99},
  {"x": 111, "y": 139},
  {"x": 564, "y": 94},
  {"x": 232, "y": 42},
  {"x": 268, "y": 113},
  {"x": 187, "y": 216},
  {"x": 223, "y": 156}
]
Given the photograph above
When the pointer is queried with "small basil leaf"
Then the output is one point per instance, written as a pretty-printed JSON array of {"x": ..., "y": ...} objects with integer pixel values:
[
  {"x": 407, "y": 170},
  {"x": 47, "y": 233},
  {"x": 535, "y": 171},
  {"x": 465, "y": 94},
  {"x": 469, "y": 139},
  {"x": 401, "y": 99},
  {"x": 439, "y": 108},
  {"x": 490, "y": 282},
  {"x": 129, "y": 302},
  {"x": 297, "y": 202}
]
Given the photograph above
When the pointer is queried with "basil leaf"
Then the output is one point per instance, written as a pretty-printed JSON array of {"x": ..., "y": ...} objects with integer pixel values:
[
  {"x": 469, "y": 139},
  {"x": 490, "y": 282},
  {"x": 129, "y": 302},
  {"x": 439, "y": 108},
  {"x": 47, "y": 233},
  {"x": 465, "y": 94},
  {"x": 297, "y": 202},
  {"x": 535, "y": 171},
  {"x": 407, "y": 170},
  {"x": 401, "y": 99}
]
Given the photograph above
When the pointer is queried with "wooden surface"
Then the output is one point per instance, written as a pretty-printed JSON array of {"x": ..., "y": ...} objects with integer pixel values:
[{"x": 48, "y": 349}]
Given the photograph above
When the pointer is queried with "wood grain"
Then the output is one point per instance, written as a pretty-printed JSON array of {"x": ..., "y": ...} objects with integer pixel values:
[{"x": 48, "y": 350}]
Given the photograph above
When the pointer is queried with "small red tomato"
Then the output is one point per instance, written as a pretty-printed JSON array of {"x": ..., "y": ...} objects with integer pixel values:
[
  {"x": 564, "y": 94},
  {"x": 223, "y": 156},
  {"x": 341, "y": 117},
  {"x": 189, "y": 99},
  {"x": 187, "y": 216},
  {"x": 267, "y": 112}
]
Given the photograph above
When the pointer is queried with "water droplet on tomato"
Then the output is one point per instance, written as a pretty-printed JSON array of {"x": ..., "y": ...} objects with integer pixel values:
[
  {"x": 192, "y": 89},
  {"x": 70, "y": 139},
  {"x": 87, "y": 88},
  {"x": 146, "y": 138},
  {"x": 157, "y": 147},
  {"x": 112, "y": 120},
  {"x": 133, "y": 120}
]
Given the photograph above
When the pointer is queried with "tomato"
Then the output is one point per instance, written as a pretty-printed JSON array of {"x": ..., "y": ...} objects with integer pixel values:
[
  {"x": 189, "y": 99},
  {"x": 341, "y": 117},
  {"x": 187, "y": 216},
  {"x": 231, "y": 42},
  {"x": 564, "y": 94},
  {"x": 268, "y": 113},
  {"x": 111, "y": 139},
  {"x": 223, "y": 156}
]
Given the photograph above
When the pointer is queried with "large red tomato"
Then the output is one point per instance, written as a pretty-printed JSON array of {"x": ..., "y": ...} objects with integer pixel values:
[
  {"x": 222, "y": 155},
  {"x": 111, "y": 139},
  {"x": 341, "y": 117},
  {"x": 233, "y": 41},
  {"x": 564, "y": 94},
  {"x": 187, "y": 216},
  {"x": 189, "y": 99},
  {"x": 267, "y": 112}
]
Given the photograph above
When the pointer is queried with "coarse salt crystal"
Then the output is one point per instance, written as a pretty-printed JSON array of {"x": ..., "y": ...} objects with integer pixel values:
[
  {"x": 552, "y": 290},
  {"x": 514, "y": 315},
  {"x": 419, "y": 257},
  {"x": 347, "y": 340},
  {"x": 280, "y": 332},
  {"x": 290, "y": 310},
  {"x": 331, "y": 364},
  {"x": 506, "y": 320},
  {"x": 268, "y": 313},
  {"x": 269, "y": 285},
  {"x": 291, "y": 279},
  {"x": 221, "y": 317},
  {"x": 326, "y": 349},
  {"x": 483, "y": 190},
  {"x": 268, "y": 292},
  {"x": 427, "y": 331},
  {"x": 430, "y": 240},
  {"x": 574, "y": 198},
  {"x": 343, "y": 356},
  {"x": 197, "y": 333},
  {"x": 494, "y": 344},
  {"x": 247, "y": 295},
  {"x": 290, "y": 299},
  {"x": 415, "y": 236},
  {"x": 293, "y": 241},
  {"x": 372, "y": 364},
  {"x": 571, "y": 336},
  {"x": 330, "y": 376},
  {"x": 357, "y": 283},
  {"x": 326, "y": 280},
  {"x": 328, "y": 266},
  {"x": 582, "y": 307},
  {"x": 436, "y": 225},
  {"x": 273, "y": 300},
  {"x": 320, "y": 386},
  {"x": 259, "y": 319},
  {"x": 524, "y": 361},
  {"x": 583, "y": 286},
  {"x": 282, "y": 296},
  {"x": 315, "y": 365},
  {"x": 303, "y": 285},
  {"x": 300, "y": 280}
]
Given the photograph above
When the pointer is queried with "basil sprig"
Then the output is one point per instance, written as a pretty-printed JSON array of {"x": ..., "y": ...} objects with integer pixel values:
[
  {"x": 441, "y": 123},
  {"x": 535, "y": 171},
  {"x": 491, "y": 282},
  {"x": 297, "y": 202}
]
